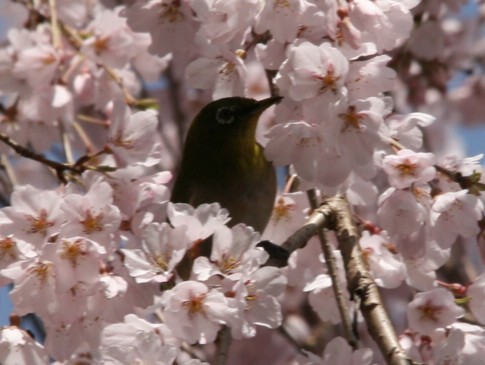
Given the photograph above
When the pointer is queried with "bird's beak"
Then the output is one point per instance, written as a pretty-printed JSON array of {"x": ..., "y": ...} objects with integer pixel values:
[{"x": 264, "y": 104}]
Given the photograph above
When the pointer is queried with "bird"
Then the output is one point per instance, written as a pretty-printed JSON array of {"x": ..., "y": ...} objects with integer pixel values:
[{"x": 222, "y": 162}]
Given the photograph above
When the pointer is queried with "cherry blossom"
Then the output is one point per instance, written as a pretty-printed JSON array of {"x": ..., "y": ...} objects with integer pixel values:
[
  {"x": 33, "y": 216},
  {"x": 313, "y": 72},
  {"x": 136, "y": 340},
  {"x": 91, "y": 245},
  {"x": 387, "y": 268},
  {"x": 448, "y": 216},
  {"x": 476, "y": 293},
  {"x": 169, "y": 23},
  {"x": 431, "y": 310},
  {"x": 408, "y": 167},
  {"x": 256, "y": 302},
  {"x": 281, "y": 18},
  {"x": 338, "y": 351},
  {"x": 163, "y": 247},
  {"x": 223, "y": 21},
  {"x": 91, "y": 215},
  {"x": 221, "y": 69},
  {"x": 234, "y": 254},
  {"x": 130, "y": 143},
  {"x": 18, "y": 347},
  {"x": 201, "y": 222},
  {"x": 194, "y": 312}
]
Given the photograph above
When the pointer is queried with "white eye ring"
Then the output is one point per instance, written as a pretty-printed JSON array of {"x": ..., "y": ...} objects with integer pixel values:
[{"x": 225, "y": 115}]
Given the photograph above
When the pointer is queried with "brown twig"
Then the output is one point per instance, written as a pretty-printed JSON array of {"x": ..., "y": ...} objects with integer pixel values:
[
  {"x": 331, "y": 263},
  {"x": 223, "y": 342},
  {"x": 60, "y": 168}
]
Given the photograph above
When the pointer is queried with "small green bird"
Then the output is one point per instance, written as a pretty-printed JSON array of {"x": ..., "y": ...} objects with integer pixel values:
[{"x": 222, "y": 162}]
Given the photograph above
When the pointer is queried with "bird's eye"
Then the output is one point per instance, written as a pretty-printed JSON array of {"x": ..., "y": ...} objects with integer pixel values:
[{"x": 225, "y": 115}]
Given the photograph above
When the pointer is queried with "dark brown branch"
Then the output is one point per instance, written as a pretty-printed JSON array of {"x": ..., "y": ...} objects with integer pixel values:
[{"x": 60, "y": 168}]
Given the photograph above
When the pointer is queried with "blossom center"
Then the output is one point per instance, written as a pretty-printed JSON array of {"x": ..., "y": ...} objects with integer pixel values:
[
  {"x": 42, "y": 270},
  {"x": 281, "y": 4},
  {"x": 92, "y": 223},
  {"x": 7, "y": 248},
  {"x": 229, "y": 264},
  {"x": 282, "y": 210},
  {"x": 39, "y": 224},
  {"x": 171, "y": 12},
  {"x": 162, "y": 261},
  {"x": 407, "y": 168},
  {"x": 72, "y": 251},
  {"x": 328, "y": 80},
  {"x": 351, "y": 119},
  {"x": 101, "y": 44},
  {"x": 430, "y": 311},
  {"x": 195, "y": 305}
]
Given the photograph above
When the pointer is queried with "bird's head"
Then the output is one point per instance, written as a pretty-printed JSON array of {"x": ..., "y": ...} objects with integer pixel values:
[{"x": 230, "y": 120}]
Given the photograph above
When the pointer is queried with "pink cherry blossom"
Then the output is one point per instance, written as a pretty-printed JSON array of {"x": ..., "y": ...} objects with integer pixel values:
[
  {"x": 338, "y": 351},
  {"x": 234, "y": 254},
  {"x": 386, "y": 266},
  {"x": 169, "y": 23},
  {"x": 91, "y": 215},
  {"x": 288, "y": 214},
  {"x": 132, "y": 137},
  {"x": 224, "y": 21},
  {"x": 431, "y": 310},
  {"x": 313, "y": 72},
  {"x": 454, "y": 214},
  {"x": 18, "y": 347},
  {"x": 221, "y": 69},
  {"x": 194, "y": 312},
  {"x": 111, "y": 42},
  {"x": 34, "y": 216},
  {"x": 137, "y": 341},
  {"x": 408, "y": 167},
  {"x": 37, "y": 65},
  {"x": 201, "y": 222},
  {"x": 256, "y": 302},
  {"x": 476, "y": 293},
  {"x": 281, "y": 18},
  {"x": 163, "y": 247}
]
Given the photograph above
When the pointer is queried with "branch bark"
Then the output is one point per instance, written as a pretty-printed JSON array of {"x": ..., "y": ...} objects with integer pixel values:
[{"x": 335, "y": 214}]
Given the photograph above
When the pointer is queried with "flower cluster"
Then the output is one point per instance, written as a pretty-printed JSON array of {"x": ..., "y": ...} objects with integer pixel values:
[{"x": 117, "y": 274}]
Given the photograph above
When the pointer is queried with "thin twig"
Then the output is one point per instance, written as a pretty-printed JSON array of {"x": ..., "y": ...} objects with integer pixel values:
[
  {"x": 270, "y": 74},
  {"x": 174, "y": 95},
  {"x": 60, "y": 168},
  {"x": 66, "y": 144},
  {"x": 331, "y": 263},
  {"x": 223, "y": 342},
  {"x": 85, "y": 138},
  {"x": 56, "y": 31}
]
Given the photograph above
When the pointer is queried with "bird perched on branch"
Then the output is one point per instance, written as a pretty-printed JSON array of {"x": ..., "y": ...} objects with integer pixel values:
[{"x": 222, "y": 162}]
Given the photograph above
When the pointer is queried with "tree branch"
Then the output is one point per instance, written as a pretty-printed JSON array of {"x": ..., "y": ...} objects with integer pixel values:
[
  {"x": 223, "y": 342},
  {"x": 60, "y": 168},
  {"x": 335, "y": 214},
  {"x": 331, "y": 263},
  {"x": 361, "y": 284}
]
